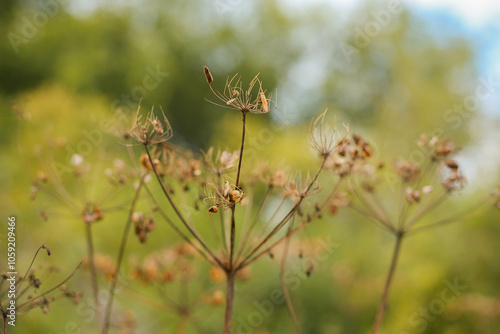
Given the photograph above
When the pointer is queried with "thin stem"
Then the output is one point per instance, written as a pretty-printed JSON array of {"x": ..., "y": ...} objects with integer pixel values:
[
  {"x": 121, "y": 252},
  {"x": 243, "y": 120},
  {"x": 49, "y": 291},
  {"x": 469, "y": 213},
  {"x": 233, "y": 208},
  {"x": 426, "y": 210},
  {"x": 232, "y": 237},
  {"x": 93, "y": 275},
  {"x": 228, "y": 317},
  {"x": 284, "y": 288},
  {"x": 299, "y": 227},
  {"x": 182, "y": 234},
  {"x": 379, "y": 212},
  {"x": 222, "y": 222},
  {"x": 370, "y": 214},
  {"x": 177, "y": 212},
  {"x": 285, "y": 219},
  {"x": 390, "y": 274},
  {"x": 216, "y": 235},
  {"x": 29, "y": 268},
  {"x": 254, "y": 221}
]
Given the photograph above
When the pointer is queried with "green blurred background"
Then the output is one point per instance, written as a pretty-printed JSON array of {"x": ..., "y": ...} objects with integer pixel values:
[{"x": 391, "y": 70}]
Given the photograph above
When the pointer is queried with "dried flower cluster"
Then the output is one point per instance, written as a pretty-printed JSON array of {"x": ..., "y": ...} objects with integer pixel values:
[
  {"x": 231, "y": 215},
  {"x": 30, "y": 297}
]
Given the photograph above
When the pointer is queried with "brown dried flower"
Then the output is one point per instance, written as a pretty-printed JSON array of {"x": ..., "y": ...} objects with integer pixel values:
[
  {"x": 151, "y": 130},
  {"x": 236, "y": 98}
]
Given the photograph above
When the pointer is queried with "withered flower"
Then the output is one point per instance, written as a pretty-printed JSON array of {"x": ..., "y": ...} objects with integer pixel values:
[
  {"x": 296, "y": 188},
  {"x": 151, "y": 130},
  {"x": 222, "y": 199},
  {"x": 208, "y": 75},
  {"x": 406, "y": 170},
  {"x": 324, "y": 139},
  {"x": 236, "y": 98}
]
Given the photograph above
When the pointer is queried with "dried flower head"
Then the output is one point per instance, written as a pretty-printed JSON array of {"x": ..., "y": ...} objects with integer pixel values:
[
  {"x": 219, "y": 161},
  {"x": 91, "y": 213},
  {"x": 324, "y": 139},
  {"x": 406, "y": 170},
  {"x": 151, "y": 130},
  {"x": 444, "y": 150},
  {"x": 413, "y": 196},
  {"x": 455, "y": 180},
  {"x": 236, "y": 98},
  {"x": 222, "y": 199},
  {"x": 208, "y": 75},
  {"x": 296, "y": 188}
]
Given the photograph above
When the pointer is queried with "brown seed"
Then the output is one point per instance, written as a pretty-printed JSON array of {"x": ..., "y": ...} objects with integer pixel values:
[
  {"x": 309, "y": 270},
  {"x": 451, "y": 164},
  {"x": 208, "y": 75},
  {"x": 264, "y": 108},
  {"x": 213, "y": 209}
]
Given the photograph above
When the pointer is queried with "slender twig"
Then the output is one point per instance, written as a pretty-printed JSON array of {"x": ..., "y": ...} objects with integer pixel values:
[
  {"x": 465, "y": 214},
  {"x": 50, "y": 290},
  {"x": 232, "y": 236},
  {"x": 300, "y": 226},
  {"x": 254, "y": 221},
  {"x": 284, "y": 288},
  {"x": 379, "y": 212},
  {"x": 243, "y": 120},
  {"x": 228, "y": 314},
  {"x": 121, "y": 252},
  {"x": 93, "y": 275},
  {"x": 212, "y": 259},
  {"x": 29, "y": 268},
  {"x": 233, "y": 207},
  {"x": 426, "y": 210},
  {"x": 178, "y": 213},
  {"x": 222, "y": 222},
  {"x": 286, "y": 218},
  {"x": 387, "y": 286}
]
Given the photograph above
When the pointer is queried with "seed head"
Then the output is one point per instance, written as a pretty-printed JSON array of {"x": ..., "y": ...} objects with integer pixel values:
[{"x": 208, "y": 75}]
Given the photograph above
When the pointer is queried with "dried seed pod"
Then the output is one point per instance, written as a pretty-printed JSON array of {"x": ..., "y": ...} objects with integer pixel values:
[
  {"x": 264, "y": 107},
  {"x": 309, "y": 270},
  {"x": 208, "y": 75},
  {"x": 451, "y": 164}
]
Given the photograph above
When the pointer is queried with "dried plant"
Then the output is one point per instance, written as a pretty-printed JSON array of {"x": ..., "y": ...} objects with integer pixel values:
[
  {"x": 422, "y": 189},
  {"x": 225, "y": 211},
  {"x": 90, "y": 209},
  {"x": 32, "y": 296},
  {"x": 234, "y": 245}
]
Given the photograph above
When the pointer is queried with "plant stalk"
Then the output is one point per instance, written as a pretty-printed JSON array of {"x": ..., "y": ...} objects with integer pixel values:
[
  {"x": 228, "y": 317},
  {"x": 93, "y": 276},
  {"x": 390, "y": 274}
]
